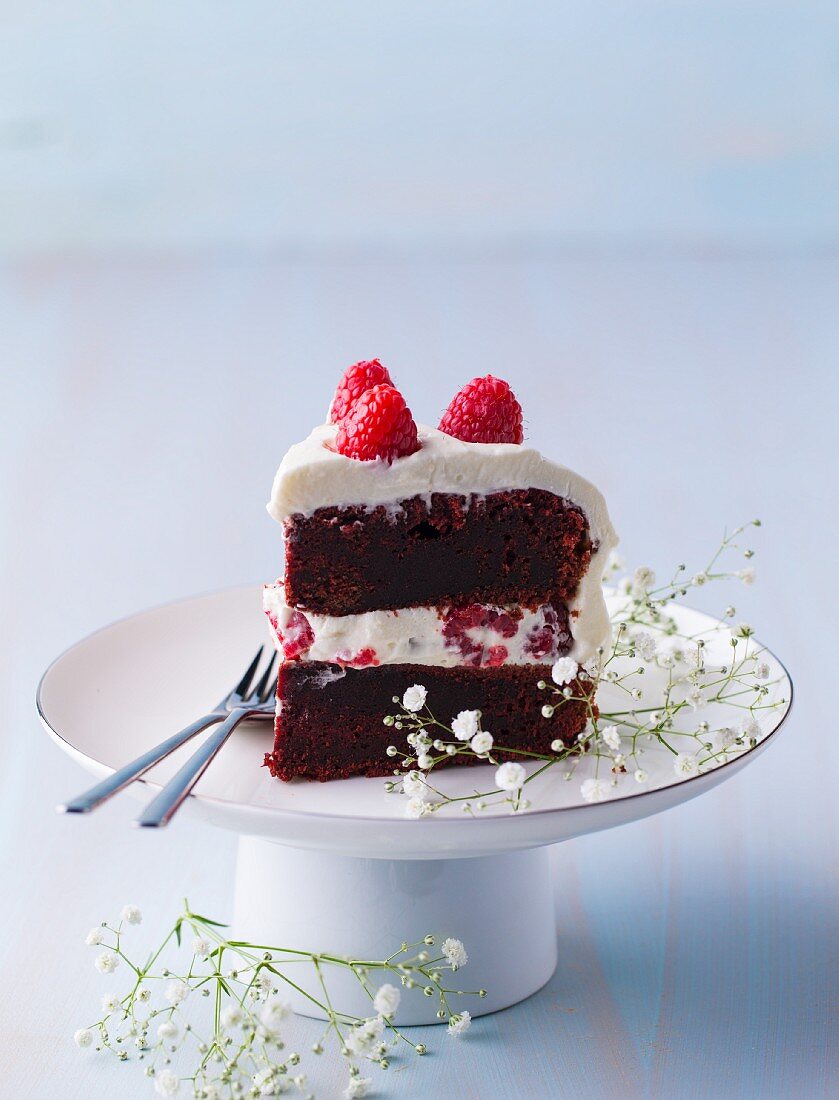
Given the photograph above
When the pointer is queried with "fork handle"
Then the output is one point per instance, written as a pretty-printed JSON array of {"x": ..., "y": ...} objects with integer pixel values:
[
  {"x": 164, "y": 806},
  {"x": 94, "y": 797}
]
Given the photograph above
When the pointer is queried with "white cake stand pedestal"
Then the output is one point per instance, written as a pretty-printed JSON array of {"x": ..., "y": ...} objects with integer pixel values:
[
  {"x": 502, "y": 906},
  {"x": 337, "y": 867}
]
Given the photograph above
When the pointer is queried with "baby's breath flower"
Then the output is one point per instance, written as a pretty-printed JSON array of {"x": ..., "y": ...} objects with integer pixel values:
[
  {"x": 459, "y": 1024},
  {"x": 232, "y": 1016},
  {"x": 762, "y": 671},
  {"x": 564, "y": 671},
  {"x": 106, "y": 963},
  {"x": 640, "y": 776},
  {"x": 593, "y": 666},
  {"x": 94, "y": 937},
  {"x": 510, "y": 776},
  {"x": 414, "y": 698},
  {"x": 465, "y": 724},
  {"x": 83, "y": 1037},
  {"x": 274, "y": 1013},
  {"x": 747, "y": 576},
  {"x": 611, "y": 737},
  {"x": 201, "y": 947},
  {"x": 363, "y": 1038},
  {"x": 176, "y": 992},
  {"x": 645, "y": 645},
  {"x": 642, "y": 580},
  {"x": 557, "y": 745},
  {"x": 481, "y": 743},
  {"x": 386, "y": 1000},
  {"x": 414, "y": 785},
  {"x": 455, "y": 953},
  {"x": 695, "y": 698},
  {"x": 424, "y": 761},
  {"x": 358, "y": 1087},
  {"x": 685, "y": 766},
  {"x": 166, "y": 1083},
  {"x": 751, "y": 728},
  {"x": 264, "y": 1082},
  {"x": 109, "y": 1003},
  {"x": 594, "y": 790},
  {"x": 167, "y": 1030},
  {"x": 726, "y": 737},
  {"x": 416, "y": 807},
  {"x": 693, "y": 656},
  {"x": 131, "y": 914}
]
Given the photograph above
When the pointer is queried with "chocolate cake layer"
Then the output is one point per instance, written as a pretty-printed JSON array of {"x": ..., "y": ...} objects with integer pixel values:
[
  {"x": 330, "y": 725},
  {"x": 524, "y": 546}
]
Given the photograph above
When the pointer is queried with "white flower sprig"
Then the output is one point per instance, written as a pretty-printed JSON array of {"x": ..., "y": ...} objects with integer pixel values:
[
  {"x": 646, "y": 640},
  {"x": 218, "y": 1025}
]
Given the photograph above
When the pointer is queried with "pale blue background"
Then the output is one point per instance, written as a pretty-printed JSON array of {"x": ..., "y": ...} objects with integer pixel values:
[
  {"x": 309, "y": 125},
  {"x": 627, "y": 209}
]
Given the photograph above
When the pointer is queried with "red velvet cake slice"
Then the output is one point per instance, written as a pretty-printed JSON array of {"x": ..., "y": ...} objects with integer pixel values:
[{"x": 468, "y": 564}]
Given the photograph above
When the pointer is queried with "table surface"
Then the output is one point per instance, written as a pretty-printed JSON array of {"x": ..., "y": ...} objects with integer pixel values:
[{"x": 147, "y": 405}]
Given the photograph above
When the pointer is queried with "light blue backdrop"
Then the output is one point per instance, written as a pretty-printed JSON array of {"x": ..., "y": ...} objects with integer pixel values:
[{"x": 268, "y": 124}]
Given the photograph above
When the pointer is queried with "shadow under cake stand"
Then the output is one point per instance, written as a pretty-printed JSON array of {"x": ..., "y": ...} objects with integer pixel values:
[{"x": 337, "y": 867}]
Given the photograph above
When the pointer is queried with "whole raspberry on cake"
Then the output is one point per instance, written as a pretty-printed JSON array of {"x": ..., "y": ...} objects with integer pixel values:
[{"x": 457, "y": 558}]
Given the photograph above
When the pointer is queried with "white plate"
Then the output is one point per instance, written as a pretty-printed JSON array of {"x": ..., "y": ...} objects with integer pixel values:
[{"x": 130, "y": 685}]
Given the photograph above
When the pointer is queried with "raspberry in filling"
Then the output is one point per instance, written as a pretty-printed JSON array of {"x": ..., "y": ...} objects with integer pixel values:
[
  {"x": 465, "y": 629},
  {"x": 495, "y": 656},
  {"x": 552, "y": 639},
  {"x": 363, "y": 659},
  {"x": 298, "y": 636}
]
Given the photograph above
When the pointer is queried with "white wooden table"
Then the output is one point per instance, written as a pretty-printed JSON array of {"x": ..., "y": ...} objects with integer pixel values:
[{"x": 146, "y": 406}]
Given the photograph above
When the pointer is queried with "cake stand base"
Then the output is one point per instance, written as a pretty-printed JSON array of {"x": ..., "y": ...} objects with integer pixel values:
[{"x": 500, "y": 906}]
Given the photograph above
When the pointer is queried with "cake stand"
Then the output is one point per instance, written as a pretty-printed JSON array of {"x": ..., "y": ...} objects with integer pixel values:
[{"x": 337, "y": 866}]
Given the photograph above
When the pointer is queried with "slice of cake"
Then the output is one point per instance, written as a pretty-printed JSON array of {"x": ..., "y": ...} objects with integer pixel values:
[{"x": 456, "y": 558}]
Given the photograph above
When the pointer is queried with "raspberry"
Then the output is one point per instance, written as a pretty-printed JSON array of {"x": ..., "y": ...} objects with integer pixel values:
[
  {"x": 298, "y": 636},
  {"x": 458, "y": 621},
  {"x": 379, "y": 425},
  {"x": 364, "y": 658},
  {"x": 484, "y": 411},
  {"x": 550, "y": 638},
  {"x": 496, "y": 655},
  {"x": 355, "y": 380}
]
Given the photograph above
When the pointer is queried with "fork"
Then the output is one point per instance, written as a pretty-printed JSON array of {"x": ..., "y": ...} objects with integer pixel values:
[
  {"x": 234, "y": 702},
  {"x": 164, "y": 806}
]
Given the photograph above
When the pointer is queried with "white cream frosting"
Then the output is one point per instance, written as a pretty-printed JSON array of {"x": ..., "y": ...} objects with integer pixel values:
[
  {"x": 313, "y": 476},
  {"x": 412, "y": 635}
]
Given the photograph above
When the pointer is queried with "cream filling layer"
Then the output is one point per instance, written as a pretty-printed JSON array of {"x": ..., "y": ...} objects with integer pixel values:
[{"x": 421, "y": 636}]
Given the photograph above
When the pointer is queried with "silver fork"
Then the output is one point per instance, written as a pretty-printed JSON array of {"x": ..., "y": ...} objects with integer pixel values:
[
  {"x": 234, "y": 702},
  {"x": 164, "y": 806}
]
